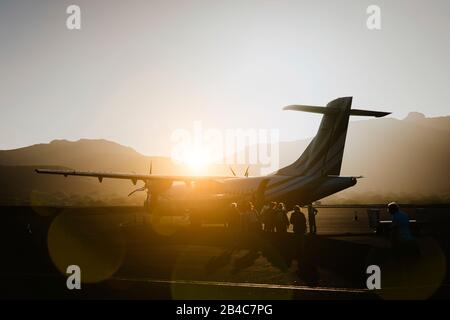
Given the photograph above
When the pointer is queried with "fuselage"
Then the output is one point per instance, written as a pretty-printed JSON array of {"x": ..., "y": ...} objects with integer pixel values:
[{"x": 215, "y": 195}]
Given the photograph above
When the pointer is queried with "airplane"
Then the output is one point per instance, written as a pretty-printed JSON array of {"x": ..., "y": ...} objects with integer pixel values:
[{"x": 313, "y": 176}]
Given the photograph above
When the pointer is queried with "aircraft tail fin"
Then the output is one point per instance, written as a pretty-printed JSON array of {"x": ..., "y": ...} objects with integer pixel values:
[{"x": 324, "y": 154}]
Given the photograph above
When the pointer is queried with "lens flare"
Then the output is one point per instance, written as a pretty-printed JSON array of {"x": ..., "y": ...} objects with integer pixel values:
[{"x": 96, "y": 248}]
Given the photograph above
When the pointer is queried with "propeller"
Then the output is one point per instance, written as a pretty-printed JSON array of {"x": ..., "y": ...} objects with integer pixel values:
[
  {"x": 138, "y": 189},
  {"x": 246, "y": 171},
  {"x": 245, "y": 174},
  {"x": 145, "y": 187}
]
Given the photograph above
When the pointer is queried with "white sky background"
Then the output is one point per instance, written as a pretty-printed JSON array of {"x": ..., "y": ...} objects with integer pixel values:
[{"x": 138, "y": 70}]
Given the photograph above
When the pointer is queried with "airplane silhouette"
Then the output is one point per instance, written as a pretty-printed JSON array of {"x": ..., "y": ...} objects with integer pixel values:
[{"x": 313, "y": 176}]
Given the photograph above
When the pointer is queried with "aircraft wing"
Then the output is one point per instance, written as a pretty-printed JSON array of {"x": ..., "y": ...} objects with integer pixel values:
[{"x": 127, "y": 176}]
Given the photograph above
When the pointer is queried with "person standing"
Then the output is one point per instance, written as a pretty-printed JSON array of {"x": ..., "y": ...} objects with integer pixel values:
[
  {"x": 282, "y": 221},
  {"x": 252, "y": 217},
  {"x": 312, "y": 212},
  {"x": 298, "y": 221},
  {"x": 252, "y": 226},
  {"x": 263, "y": 215},
  {"x": 402, "y": 240},
  {"x": 269, "y": 217}
]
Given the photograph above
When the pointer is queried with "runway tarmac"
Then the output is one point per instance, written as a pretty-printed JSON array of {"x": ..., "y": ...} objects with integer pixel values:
[{"x": 129, "y": 258}]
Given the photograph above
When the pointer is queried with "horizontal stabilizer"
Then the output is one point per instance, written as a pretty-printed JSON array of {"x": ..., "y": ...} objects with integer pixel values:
[
  {"x": 329, "y": 111},
  {"x": 312, "y": 109},
  {"x": 338, "y": 176},
  {"x": 368, "y": 113}
]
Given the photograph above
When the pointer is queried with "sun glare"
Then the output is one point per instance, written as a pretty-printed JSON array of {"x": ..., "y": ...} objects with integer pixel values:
[{"x": 198, "y": 160}]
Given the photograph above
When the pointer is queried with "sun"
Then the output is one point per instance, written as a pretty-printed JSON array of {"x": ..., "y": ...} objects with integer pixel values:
[{"x": 197, "y": 160}]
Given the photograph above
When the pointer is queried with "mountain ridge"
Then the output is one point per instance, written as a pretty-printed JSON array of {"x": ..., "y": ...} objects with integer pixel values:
[{"x": 405, "y": 158}]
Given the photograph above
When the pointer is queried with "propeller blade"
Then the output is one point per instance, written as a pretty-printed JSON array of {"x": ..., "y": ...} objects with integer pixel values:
[
  {"x": 151, "y": 167},
  {"x": 246, "y": 172},
  {"x": 232, "y": 171},
  {"x": 136, "y": 190}
]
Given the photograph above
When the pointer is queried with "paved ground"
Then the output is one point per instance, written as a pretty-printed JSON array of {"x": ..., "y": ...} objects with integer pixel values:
[{"x": 159, "y": 261}]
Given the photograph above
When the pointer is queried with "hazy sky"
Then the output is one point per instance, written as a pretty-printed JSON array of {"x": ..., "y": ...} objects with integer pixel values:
[{"x": 138, "y": 70}]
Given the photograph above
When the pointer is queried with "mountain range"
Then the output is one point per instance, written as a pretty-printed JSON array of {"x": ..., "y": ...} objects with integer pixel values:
[{"x": 404, "y": 160}]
